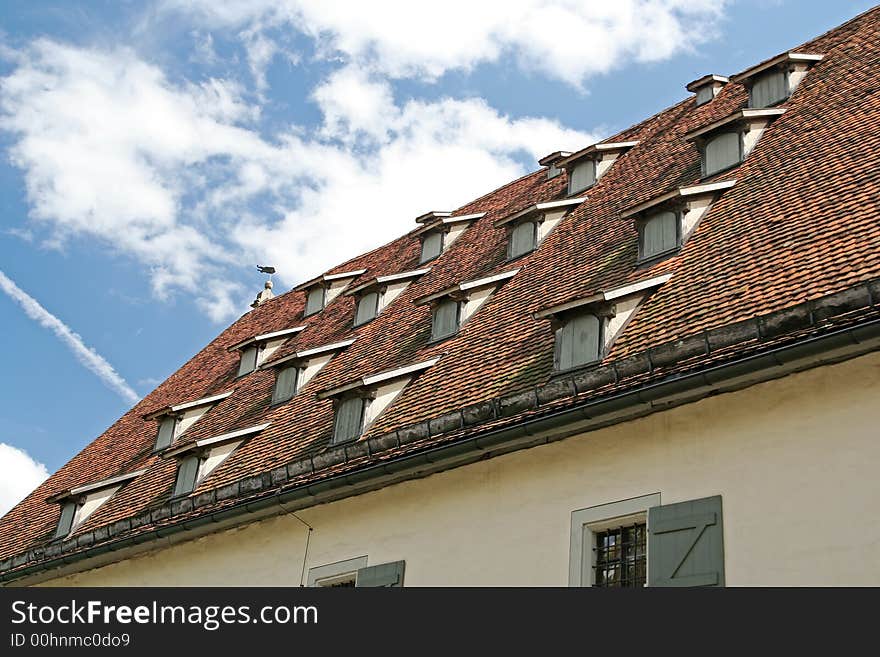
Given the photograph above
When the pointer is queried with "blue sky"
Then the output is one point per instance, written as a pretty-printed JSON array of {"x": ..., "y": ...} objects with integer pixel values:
[{"x": 154, "y": 152}]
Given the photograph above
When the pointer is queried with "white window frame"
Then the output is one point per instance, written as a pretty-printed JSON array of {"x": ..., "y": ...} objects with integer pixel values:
[
  {"x": 333, "y": 573},
  {"x": 585, "y": 523}
]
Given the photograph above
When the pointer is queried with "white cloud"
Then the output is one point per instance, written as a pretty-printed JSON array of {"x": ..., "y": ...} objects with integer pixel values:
[
  {"x": 87, "y": 356},
  {"x": 568, "y": 40},
  {"x": 19, "y": 475}
]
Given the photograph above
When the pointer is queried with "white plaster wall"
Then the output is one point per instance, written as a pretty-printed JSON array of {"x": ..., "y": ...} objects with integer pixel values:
[
  {"x": 753, "y": 135},
  {"x": 313, "y": 366},
  {"x": 392, "y": 291},
  {"x": 695, "y": 211},
  {"x": 270, "y": 348},
  {"x": 604, "y": 163},
  {"x": 384, "y": 396},
  {"x": 624, "y": 309},
  {"x": 551, "y": 218},
  {"x": 336, "y": 287},
  {"x": 215, "y": 457},
  {"x": 189, "y": 418},
  {"x": 455, "y": 231},
  {"x": 795, "y": 461},
  {"x": 91, "y": 504},
  {"x": 476, "y": 299}
]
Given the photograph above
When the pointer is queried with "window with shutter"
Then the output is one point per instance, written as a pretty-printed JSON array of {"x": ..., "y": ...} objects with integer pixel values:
[
  {"x": 658, "y": 234},
  {"x": 285, "y": 384},
  {"x": 445, "y": 319},
  {"x": 65, "y": 522},
  {"x": 314, "y": 300},
  {"x": 721, "y": 152},
  {"x": 581, "y": 176},
  {"x": 165, "y": 437},
  {"x": 432, "y": 246},
  {"x": 385, "y": 574},
  {"x": 705, "y": 94},
  {"x": 367, "y": 308},
  {"x": 523, "y": 238},
  {"x": 349, "y": 422},
  {"x": 577, "y": 341},
  {"x": 187, "y": 470},
  {"x": 769, "y": 89},
  {"x": 248, "y": 362},
  {"x": 686, "y": 544}
]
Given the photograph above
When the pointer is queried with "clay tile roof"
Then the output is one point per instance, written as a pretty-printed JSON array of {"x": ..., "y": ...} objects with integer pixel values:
[{"x": 800, "y": 224}]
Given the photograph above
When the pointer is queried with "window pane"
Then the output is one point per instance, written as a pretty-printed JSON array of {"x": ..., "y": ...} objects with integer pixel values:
[
  {"x": 583, "y": 175},
  {"x": 314, "y": 300},
  {"x": 432, "y": 246},
  {"x": 578, "y": 341},
  {"x": 659, "y": 234},
  {"x": 705, "y": 94},
  {"x": 285, "y": 384},
  {"x": 722, "y": 152},
  {"x": 768, "y": 89},
  {"x": 445, "y": 320},
  {"x": 367, "y": 308},
  {"x": 522, "y": 238},
  {"x": 166, "y": 431},
  {"x": 68, "y": 509},
  {"x": 349, "y": 420},
  {"x": 248, "y": 362},
  {"x": 187, "y": 471}
]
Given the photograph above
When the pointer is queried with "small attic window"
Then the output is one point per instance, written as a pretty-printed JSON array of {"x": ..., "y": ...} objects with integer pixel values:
[
  {"x": 78, "y": 504},
  {"x": 367, "y": 308},
  {"x": 721, "y": 151},
  {"x": 187, "y": 472},
  {"x": 65, "y": 522},
  {"x": 445, "y": 318},
  {"x": 658, "y": 234},
  {"x": 348, "y": 422},
  {"x": 315, "y": 300},
  {"x": 286, "y": 380},
  {"x": 432, "y": 245},
  {"x": 552, "y": 163},
  {"x": 768, "y": 89},
  {"x": 249, "y": 358},
  {"x": 773, "y": 81},
  {"x": 167, "y": 431},
  {"x": 582, "y": 176},
  {"x": 704, "y": 95},
  {"x": 707, "y": 87},
  {"x": 578, "y": 341},
  {"x": 523, "y": 239}
]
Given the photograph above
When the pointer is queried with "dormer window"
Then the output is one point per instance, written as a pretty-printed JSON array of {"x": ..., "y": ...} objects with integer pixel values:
[
  {"x": 322, "y": 290},
  {"x": 374, "y": 295},
  {"x": 357, "y": 404},
  {"x": 453, "y": 306},
  {"x": 552, "y": 163},
  {"x": 665, "y": 222},
  {"x": 707, "y": 87},
  {"x": 173, "y": 421},
  {"x": 198, "y": 459},
  {"x": 773, "y": 81},
  {"x": 589, "y": 164},
  {"x": 440, "y": 230},
  {"x": 727, "y": 142},
  {"x": 256, "y": 350},
  {"x": 78, "y": 504},
  {"x": 294, "y": 371},
  {"x": 529, "y": 227},
  {"x": 586, "y": 328}
]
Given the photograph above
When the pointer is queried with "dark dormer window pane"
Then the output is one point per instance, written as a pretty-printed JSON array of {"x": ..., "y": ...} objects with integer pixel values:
[
  {"x": 165, "y": 437},
  {"x": 314, "y": 300},
  {"x": 721, "y": 152},
  {"x": 248, "y": 362},
  {"x": 349, "y": 421},
  {"x": 705, "y": 94},
  {"x": 432, "y": 246},
  {"x": 768, "y": 89},
  {"x": 285, "y": 384},
  {"x": 65, "y": 523},
  {"x": 445, "y": 319},
  {"x": 523, "y": 238},
  {"x": 577, "y": 342},
  {"x": 187, "y": 471},
  {"x": 367, "y": 308},
  {"x": 659, "y": 234},
  {"x": 581, "y": 176}
]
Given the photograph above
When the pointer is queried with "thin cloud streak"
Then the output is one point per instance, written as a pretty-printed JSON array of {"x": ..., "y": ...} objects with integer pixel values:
[{"x": 87, "y": 356}]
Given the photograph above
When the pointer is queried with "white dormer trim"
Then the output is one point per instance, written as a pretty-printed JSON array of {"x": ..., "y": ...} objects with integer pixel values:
[
  {"x": 117, "y": 481},
  {"x": 308, "y": 353},
  {"x": 538, "y": 208},
  {"x": 740, "y": 116},
  {"x": 216, "y": 440},
  {"x": 793, "y": 57},
  {"x": 432, "y": 216},
  {"x": 604, "y": 295},
  {"x": 466, "y": 286},
  {"x": 266, "y": 337},
  {"x": 682, "y": 192},
  {"x": 177, "y": 408},
  {"x": 329, "y": 278},
  {"x": 449, "y": 221},
  {"x": 593, "y": 149},
  {"x": 694, "y": 85},
  {"x": 390, "y": 278},
  {"x": 376, "y": 379}
]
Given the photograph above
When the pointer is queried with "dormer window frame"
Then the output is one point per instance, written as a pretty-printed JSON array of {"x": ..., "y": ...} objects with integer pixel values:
[
  {"x": 447, "y": 225},
  {"x": 74, "y": 499},
  {"x": 440, "y": 232},
  {"x": 792, "y": 65},
  {"x": 387, "y": 288},
  {"x": 301, "y": 361},
  {"x": 741, "y": 123},
  {"x": 536, "y": 215},
  {"x": 177, "y": 412},
  {"x": 642, "y": 222},
  {"x": 320, "y": 288},
  {"x": 459, "y": 300},
  {"x": 598, "y": 154},
  {"x": 257, "y": 345},
  {"x": 365, "y": 399},
  {"x": 551, "y": 162},
  {"x": 331, "y": 285},
  {"x": 377, "y": 305},
  {"x": 706, "y": 88},
  {"x": 513, "y": 227},
  {"x": 602, "y": 311}
]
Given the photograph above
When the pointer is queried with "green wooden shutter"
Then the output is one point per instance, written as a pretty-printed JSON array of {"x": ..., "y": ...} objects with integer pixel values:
[
  {"x": 386, "y": 574},
  {"x": 523, "y": 238},
  {"x": 768, "y": 89},
  {"x": 445, "y": 320},
  {"x": 314, "y": 300},
  {"x": 285, "y": 384},
  {"x": 578, "y": 341},
  {"x": 65, "y": 522},
  {"x": 349, "y": 420},
  {"x": 165, "y": 436},
  {"x": 659, "y": 234},
  {"x": 722, "y": 152},
  {"x": 686, "y": 544},
  {"x": 187, "y": 470},
  {"x": 432, "y": 246},
  {"x": 583, "y": 175},
  {"x": 367, "y": 308},
  {"x": 248, "y": 362}
]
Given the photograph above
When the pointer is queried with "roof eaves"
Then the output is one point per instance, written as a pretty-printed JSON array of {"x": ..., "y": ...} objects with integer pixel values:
[
  {"x": 328, "y": 277},
  {"x": 706, "y": 79},
  {"x": 773, "y": 61},
  {"x": 308, "y": 353},
  {"x": 374, "y": 379}
]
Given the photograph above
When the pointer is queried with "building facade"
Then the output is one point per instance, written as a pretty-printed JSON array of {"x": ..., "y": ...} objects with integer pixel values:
[{"x": 654, "y": 361}]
